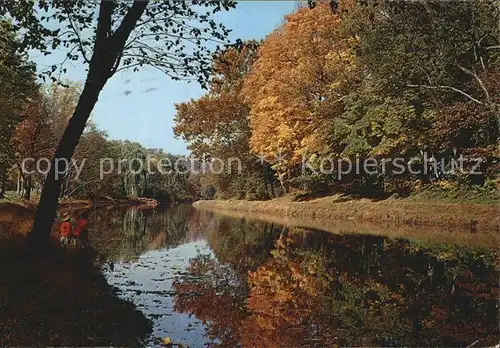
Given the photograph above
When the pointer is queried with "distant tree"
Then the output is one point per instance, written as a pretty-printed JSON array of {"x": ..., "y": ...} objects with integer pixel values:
[
  {"x": 169, "y": 36},
  {"x": 44, "y": 118},
  {"x": 33, "y": 140},
  {"x": 17, "y": 86}
]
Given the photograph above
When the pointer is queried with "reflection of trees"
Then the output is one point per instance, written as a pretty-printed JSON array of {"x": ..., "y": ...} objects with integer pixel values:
[
  {"x": 242, "y": 244},
  {"x": 213, "y": 293},
  {"x": 320, "y": 289},
  {"x": 127, "y": 233}
]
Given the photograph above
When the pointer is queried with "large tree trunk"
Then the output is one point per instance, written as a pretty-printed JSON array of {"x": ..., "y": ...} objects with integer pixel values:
[
  {"x": 3, "y": 174},
  {"x": 104, "y": 62},
  {"x": 47, "y": 207}
]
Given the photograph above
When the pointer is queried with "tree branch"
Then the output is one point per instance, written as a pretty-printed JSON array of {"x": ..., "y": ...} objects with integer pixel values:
[
  {"x": 479, "y": 81},
  {"x": 448, "y": 88},
  {"x": 120, "y": 36},
  {"x": 78, "y": 37},
  {"x": 104, "y": 22}
]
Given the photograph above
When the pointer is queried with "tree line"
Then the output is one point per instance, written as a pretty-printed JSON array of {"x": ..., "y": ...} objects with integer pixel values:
[
  {"x": 337, "y": 78},
  {"x": 354, "y": 79},
  {"x": 33, "y": 120}
]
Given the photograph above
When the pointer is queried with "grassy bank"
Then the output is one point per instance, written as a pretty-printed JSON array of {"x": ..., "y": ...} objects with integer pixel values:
[{"x": 389, "y": 213}]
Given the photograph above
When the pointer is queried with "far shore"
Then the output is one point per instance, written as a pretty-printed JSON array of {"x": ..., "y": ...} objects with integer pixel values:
[
  {"x": 397, "y": 217},
  {"x": 16, "y": 217},
  {"x": 84, "y": 203}
]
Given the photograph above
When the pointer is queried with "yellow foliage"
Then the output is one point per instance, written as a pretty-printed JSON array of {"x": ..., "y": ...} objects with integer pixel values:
[
  {"x": 304, "y": 69},
  {"x": 167, "y": 341}
]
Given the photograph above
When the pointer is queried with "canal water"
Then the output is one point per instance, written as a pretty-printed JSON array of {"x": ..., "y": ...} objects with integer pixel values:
[{"x": 206, "y": 279}]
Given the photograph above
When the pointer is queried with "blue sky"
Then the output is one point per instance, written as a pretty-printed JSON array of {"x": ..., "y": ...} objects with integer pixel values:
[{"x": 148, "y": 117}]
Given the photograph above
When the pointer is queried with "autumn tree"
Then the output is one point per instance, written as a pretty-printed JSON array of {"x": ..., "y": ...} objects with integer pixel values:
[
  {"x": 59, "y": 103},
  {"x": 110, "y": 36},
  {"x": 17, "y": 86},
  {"x": 218, "y": 126},
  {"x": 33, "y": 140},
  {"x": 299, "y": 81},
  {"x": 217, "y": 123}
]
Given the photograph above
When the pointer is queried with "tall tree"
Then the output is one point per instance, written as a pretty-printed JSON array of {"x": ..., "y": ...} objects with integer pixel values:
[
  {"x": 303, "y": 72},
  {"x": 218, "y": 125},
  {"x": 17, "y": 85},
  {"x": 169, "y": 36}
]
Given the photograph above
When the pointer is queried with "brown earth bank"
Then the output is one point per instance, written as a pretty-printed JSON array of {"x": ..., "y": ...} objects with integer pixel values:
[
  {"x": 94, "y": 202},
  {"x": 56, "y": 298},
  {"x": 383, "y": 216},
  {"x": 52, "y": 297}
]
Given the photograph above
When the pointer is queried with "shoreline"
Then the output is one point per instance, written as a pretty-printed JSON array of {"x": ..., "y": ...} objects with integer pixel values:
[
  {"x": 333, "y": 214},
  {"x": 16, "y": 217},
  {"x": 85, "y": 203}
]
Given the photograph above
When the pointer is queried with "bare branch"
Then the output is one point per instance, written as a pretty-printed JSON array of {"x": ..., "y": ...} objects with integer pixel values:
[
  {"x": 479, "y": 81},
  {"x": 80, "y": 43},
  {"x": 492, "y": 48},
  {"x": 448, "y": 88}
]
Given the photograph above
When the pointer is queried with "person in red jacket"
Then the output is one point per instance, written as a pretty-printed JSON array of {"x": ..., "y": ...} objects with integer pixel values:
[
  {"x": 65, "y": 229},
  {"x": 81, "y": 228}
]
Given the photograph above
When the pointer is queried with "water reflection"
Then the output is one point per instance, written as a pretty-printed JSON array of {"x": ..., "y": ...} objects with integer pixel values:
[
  {"x": 232, "y": 282},
  {"x": 124, "y": 234},
  {"x": 318, "y": 289}
]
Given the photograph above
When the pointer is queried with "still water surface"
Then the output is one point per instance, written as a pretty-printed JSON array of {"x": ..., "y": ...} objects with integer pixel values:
[{"x": 209, "y": 280}]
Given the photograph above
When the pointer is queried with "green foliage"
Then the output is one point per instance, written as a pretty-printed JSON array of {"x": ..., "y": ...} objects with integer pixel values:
[
  {"x": 376, "y": 126},
  {"x": 17, "y": 84},
  {"x": 380, "y": 79},
  {"x": 449, "y": 191}
]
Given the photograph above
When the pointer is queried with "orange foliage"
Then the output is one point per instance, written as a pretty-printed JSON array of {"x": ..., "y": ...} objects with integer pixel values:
[
  {"x": 304, "y": 70},
  {"x": 217, "y": 123},
  {"x": 33, "y": 137}
]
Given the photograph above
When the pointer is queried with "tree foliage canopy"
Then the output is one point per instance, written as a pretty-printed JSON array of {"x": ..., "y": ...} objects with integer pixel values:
[{"x": 172, "y": 36}]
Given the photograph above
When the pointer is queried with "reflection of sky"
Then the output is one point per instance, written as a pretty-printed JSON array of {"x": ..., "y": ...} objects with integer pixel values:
[
  {"x": 147, "y": 282},
  {"x": 356, "y": 265}
]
